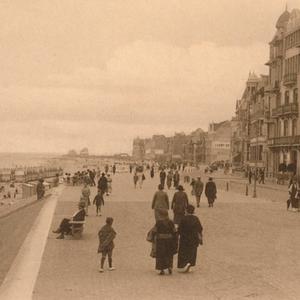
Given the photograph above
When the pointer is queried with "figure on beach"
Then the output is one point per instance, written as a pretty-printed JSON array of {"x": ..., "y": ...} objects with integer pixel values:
[{"x": 106, "y": 237}]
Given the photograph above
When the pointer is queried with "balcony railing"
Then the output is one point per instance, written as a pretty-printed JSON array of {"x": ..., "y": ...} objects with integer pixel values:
[
  {"x": 288, "y": 109},
  {"x": 284, "y": 141},
  {"x": 290, "y": 79},
  {"x": 257, "y": 115}
]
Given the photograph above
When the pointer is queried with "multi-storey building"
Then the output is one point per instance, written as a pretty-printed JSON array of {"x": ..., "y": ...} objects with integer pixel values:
[
  {"x": 284, "y": 70},
  {"x": 218, "y": 142}
]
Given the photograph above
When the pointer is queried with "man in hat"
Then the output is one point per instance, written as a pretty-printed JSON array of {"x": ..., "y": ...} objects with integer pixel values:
[
  {"x": 190, "y": 233},
  {"x": 179, "y": 204},
  {"x": 160, "y": 202},
  {"x": 210, "y": 192},
  {"x": 65, "y": 226},
  {"x": 198, "y": 189}
]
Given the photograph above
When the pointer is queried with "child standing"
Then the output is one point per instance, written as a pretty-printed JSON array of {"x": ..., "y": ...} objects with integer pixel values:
[
  {"x": 98, "y": 201},
  {"x": 106, "y": 245}
]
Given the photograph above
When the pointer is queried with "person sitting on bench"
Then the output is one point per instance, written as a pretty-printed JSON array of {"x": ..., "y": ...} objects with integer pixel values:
[{"x": 65, "y": 226}]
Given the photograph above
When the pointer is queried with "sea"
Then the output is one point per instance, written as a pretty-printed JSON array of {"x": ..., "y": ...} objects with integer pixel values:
[{"x": 13, "y": 160}]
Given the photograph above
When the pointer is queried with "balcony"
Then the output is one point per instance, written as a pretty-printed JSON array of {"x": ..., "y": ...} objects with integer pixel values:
[
  {"x": 259, "y": 114},
  {"x": 284, "y": 141},
  {"x": 284, "y": 110},
  {"x": 290, "y": 79}
]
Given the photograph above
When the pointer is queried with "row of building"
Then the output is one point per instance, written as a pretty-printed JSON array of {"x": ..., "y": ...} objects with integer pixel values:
[
  {"x": 196, "y": 147},
  {"x": 265, "y": 130},
  {"x": 266, "y": 125}
]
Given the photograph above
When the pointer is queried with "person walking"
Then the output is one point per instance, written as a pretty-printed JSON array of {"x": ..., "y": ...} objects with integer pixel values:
[
  {"x": 152, "y": 172},
  {"x": 160, "y": 202},
  {"x": 198, "y": 189},
  {"x": 102, "y": 183},
  {"x": 162, "y": 176},
  {"x": 169, "y": 179},
  {"x": 250, "y": 176},
  {"x": 98, "y": 201},
  {"x": 176, "y": 179},
  {"x": 86, "y": 192},
  {"x": 210, "y": 192},
  {"x": 114, "y": 169},
  {"x": 190, "y": 237},
  {"x": 166, "y": 243},
  {"x": 135, "y": 179},
  {"x": 106, "y": 237},
  {"x": 109, "y": 185},
  {"x": 293, "y": 192},
  {"x": 179, "y": 204}
]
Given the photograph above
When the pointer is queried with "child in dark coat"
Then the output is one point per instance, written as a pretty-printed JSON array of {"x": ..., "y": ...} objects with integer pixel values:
[
  {"x": 106, "y": 245},
  {"x": 98, "y": 201}
]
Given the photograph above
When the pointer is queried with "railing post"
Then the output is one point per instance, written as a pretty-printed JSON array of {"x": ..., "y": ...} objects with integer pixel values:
[{"x": 246, "y": 189}]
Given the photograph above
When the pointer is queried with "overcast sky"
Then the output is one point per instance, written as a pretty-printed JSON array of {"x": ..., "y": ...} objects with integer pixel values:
[{"x": 97, "y": 73}]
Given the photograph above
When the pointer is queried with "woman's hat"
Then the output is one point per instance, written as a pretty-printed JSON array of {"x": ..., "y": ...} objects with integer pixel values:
[
  {"x": 190, "y": 209},
  {"x": 180, "y": 188}
]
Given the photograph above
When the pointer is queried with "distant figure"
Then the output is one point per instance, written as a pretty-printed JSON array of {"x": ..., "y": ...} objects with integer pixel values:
[
  {"x": 109, "y": 185},
  {"x": 250, "y": 176},
  {"x": 293, "y": 192},
  {"x": 162, "y": 176},
  {"x": 190, "y": 233},
  {"x": 179, "y": 204},
  {"x": 176, "y": 179},
  {"x": 169, "y": 180},
  {"x": 135, "y": 179},
  {"x": 130, "y": 169},
  {"x": 210, "y": 192},
  {"x": 56, "y": 180},
  {"x": 160, "y": 202},
  {"x": 86, "y": 192},
  {"x": 114, "y": 169},
  {"x": 65, "y": 226},
  {"x": 152, "y": 172},
  {"x": 40, "y": 189},
  {"x": 198, "y": 189},
  {"x": 98, "y": 201},
  {"x": 106, "y": 237},
  {"x": 261, "y": 176},
  {"x": 106, "y": 169},
  {"x": 102, "y": 183}
]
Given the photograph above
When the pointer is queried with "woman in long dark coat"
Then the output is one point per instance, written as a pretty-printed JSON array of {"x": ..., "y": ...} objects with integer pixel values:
[
  {"x": 210, "y": 192},
  {"x": 190, "y": 236},
  {"x": 166, "y": 243},
  {"x": 179, "y": 204}
]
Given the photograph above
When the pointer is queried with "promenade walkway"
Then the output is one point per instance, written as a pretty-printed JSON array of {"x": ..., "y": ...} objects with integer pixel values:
[{"x": 250, "y": 251}]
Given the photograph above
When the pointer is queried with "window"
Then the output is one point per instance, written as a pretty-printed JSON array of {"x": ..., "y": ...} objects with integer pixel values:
[
  {"x": 286, "y": 97},
  {"x": 295, "y": 96},
  {"x": 294, "y": 127},
  {"x": 285, "y": 128}
]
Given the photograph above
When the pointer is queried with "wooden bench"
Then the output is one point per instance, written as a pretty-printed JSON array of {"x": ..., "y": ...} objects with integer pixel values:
[{"x": 77, "y": 228}]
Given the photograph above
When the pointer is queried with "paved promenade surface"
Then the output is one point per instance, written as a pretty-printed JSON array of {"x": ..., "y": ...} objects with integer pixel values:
[{"x": 250, "y": 251}]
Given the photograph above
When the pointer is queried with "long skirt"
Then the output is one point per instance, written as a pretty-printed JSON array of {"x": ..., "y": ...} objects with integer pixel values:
[
  {"x": 186, "y": 254},
  {"x": 164, "y": 254},
  {"x": 210, "y": 200},
  {"x": 178, "y": 217},
  {"x": 294, "y": 202}
]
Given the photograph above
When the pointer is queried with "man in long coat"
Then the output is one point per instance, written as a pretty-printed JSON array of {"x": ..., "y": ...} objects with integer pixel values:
[
  {"x": 162, "y": 176},
  {"x": 190, "y": 233},
  {"x": 198, "y": 189},
  {"x": 176, "y": 179},
  {"x": 40, "y": 189},
  {"x": 210, "y": 192},
  {"x": 160, "y": 202},
  {"x": 179, "y": 204}
]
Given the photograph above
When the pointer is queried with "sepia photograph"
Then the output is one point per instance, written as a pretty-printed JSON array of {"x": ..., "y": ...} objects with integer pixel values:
[{"x": 150, "y": 149}]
